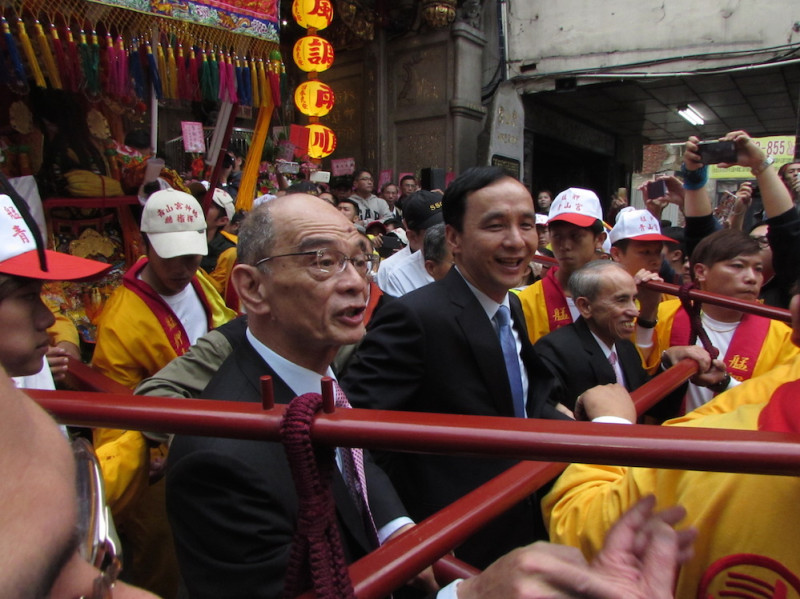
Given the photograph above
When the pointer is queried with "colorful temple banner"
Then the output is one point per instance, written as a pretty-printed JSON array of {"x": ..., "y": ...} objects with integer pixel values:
[{"x": 256, "y": 18}]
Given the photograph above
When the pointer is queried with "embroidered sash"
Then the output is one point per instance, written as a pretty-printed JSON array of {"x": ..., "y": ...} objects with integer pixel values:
[
  {"x": 744, "y": 348},
  {"x": 555, "y": 301},
  {"x": 171, "y": 324}
]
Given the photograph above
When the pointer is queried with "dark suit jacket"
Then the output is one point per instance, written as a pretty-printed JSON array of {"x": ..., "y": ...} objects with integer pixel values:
[
  {"x": 434, "y": 350},
  {"x": 232, "y": 503},
  {"x": 573, "y": 354}
]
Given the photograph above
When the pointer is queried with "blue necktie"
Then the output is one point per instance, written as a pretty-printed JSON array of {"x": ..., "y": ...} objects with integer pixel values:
[{"x": 511, "y": 358}]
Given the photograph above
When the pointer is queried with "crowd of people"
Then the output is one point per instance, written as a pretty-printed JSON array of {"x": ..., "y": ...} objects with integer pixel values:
[{"x": 424, "y": 301}]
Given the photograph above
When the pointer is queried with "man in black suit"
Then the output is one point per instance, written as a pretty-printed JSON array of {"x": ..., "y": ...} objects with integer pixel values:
[
  {"x": 437, "y": 349},
  {"x": 596, "y": 349},
  {"x": 232, "y": 503}
]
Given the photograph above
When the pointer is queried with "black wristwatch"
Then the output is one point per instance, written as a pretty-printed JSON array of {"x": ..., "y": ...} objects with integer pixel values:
[{"x": 722, "y": 385}]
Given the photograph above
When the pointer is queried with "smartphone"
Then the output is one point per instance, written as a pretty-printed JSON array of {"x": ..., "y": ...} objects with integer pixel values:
[
  {"x": 656, "y": 189},
  {"x": 714, "y": 152}
]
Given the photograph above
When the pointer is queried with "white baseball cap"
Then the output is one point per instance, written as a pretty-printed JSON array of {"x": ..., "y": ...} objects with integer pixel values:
[
  {"x": 19, "y": 254},
  {"x": 224, "y": 200},
  {"x": 541, "y": 219},
  {"x": 175, "y": 225},
  {"x": 578, "y": 206},
  {"x": 640, "y": 225}
]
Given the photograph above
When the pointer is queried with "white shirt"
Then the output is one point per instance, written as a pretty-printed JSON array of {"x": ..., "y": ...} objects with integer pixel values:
[
  {"x": 301, "y": 381},
  {"x": 407, "y": 275},
  {"x": 720, "y": 334},
  {"x": 189, "y": 310},
  {"x": 388, "y": 264}
]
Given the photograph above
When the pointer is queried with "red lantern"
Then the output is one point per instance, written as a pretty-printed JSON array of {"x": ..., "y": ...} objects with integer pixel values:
[
  {"x": 314, "y": 98},
  {"x": 313, "y": 54},
  {"x": 312, "y": 14},
  {"x": 321, "y": 141}
]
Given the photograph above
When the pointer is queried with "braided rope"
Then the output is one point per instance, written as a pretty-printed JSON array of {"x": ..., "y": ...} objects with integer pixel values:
[
  {"x": 692, "y": 308},
  {"x": 317, "y": 552}
]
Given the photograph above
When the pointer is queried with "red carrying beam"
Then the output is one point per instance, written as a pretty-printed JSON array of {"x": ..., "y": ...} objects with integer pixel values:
[
  {"x": 403, "y": 557},
  {"x": 719, "y": 450},
  {"x": 750, "y": 307}
]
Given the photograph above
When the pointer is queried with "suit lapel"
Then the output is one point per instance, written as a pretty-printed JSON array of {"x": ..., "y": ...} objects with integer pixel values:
[
  {"x": 601, "y": 367},
  {"x": 482, "y": 339},
  {"x": 253, "y": 367}
]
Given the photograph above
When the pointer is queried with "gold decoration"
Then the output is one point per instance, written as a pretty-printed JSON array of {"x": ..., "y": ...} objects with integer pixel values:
[
  {"x": 439, "y": 14},
  {"x": 90, "y": 244},
  {"x": 98, "y": 125}
]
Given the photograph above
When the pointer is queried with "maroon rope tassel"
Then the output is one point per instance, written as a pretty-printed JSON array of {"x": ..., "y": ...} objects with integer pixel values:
[
  {"x": 693, "y": 310},
  {"x": 317, "y": 552}
]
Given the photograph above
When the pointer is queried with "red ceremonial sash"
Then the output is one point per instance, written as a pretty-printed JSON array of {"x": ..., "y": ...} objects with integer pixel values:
[
  {"x": 745, "y": 346},
  {"x": 171, "y": 324},
  {"x": 555, "y": 301}
]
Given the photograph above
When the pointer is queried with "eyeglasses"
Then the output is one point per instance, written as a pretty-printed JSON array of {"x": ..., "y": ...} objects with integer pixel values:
[
  {"x": 326, "y": 262},
  {"x": 364, "y": 179},
  {"x": 762, "y": 241},
  {"x": 98, "y": 542}
]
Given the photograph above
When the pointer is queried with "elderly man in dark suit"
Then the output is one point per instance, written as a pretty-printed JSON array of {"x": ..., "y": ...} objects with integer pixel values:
[
  {"x": 597, "y": 349},
  {"x": 441, "y": 349},
  {"x": 232, "y": 503}
]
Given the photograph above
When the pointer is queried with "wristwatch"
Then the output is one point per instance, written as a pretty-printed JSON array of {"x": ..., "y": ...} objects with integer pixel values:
[
  {"x": 762, "y": 167},
  {"x": 722, "y": 385}
]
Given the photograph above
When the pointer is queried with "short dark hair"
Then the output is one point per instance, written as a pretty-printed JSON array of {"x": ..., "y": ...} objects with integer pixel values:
[
  {"x": 723, "y": 245},
  {"x": 360, "y": 172},
  {"x": 679, "y": 235},
  {"x": 454, "y": 202},
  {"x": 407, "y": 177}
]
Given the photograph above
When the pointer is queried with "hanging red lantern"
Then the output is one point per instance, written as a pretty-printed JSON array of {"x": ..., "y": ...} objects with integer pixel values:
[
  {"x": 321, "y": 141},
  {"x": 313, "y": 54},
  {"x": 314, "y": 98},
  {"x": 312, "y": 14}
]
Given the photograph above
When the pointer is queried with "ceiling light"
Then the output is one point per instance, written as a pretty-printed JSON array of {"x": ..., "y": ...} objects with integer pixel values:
[{"x": 691, "y": 115}]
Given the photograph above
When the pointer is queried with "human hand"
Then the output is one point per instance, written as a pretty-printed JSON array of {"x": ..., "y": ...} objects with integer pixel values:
[
  {"x": 675, "y": 192},
  {"x": 605, "y": 400},
  {"x": 58, "y": 358},
  {"x": 638, "y": 561},
  {"x": 641, "y": 553},
  {"x": 715, "y": 374},
  {"x": 675, "y": 354},
  {"x": 377, "y": 241},
  {"x": 649, "y": 299},
  {"x": 691, "y": 154},
  {"x": 748, "y": 154}
]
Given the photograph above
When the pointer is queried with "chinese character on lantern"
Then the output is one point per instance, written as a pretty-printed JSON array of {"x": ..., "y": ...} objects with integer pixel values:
[
  {"x": 321, "y": 141},
  {"x": 313, "y": 54},
  {"x": 314, "y": 98},
  {"x": 312, "y": 14}
]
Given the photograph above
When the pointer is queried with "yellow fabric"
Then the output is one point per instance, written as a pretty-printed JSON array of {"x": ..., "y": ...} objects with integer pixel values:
[
  {"x": 587, "y": 500},
  {"x": 220, "y": 276},
  {"x": 535, "y": 309},
  {"x": 132, "y": 345},
  {"x": 777, "y": 348},
  {"x": 63, "y": 328},
  {"x": 247, "y": 186}
]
